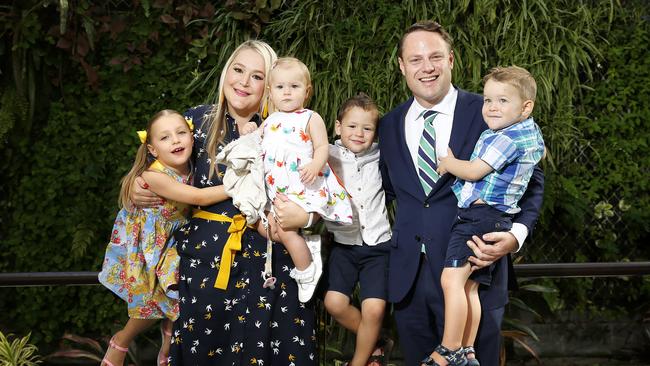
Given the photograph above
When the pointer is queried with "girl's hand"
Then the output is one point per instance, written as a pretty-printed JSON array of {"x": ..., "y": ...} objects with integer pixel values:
[
  {"x": 309, "y": 173},
  {"x": 249, "y": 127},
  {"x": 141, "y": 196}
]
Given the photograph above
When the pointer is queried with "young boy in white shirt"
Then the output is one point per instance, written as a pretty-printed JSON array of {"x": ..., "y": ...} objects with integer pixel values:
[{"x": 360, "y": 251}]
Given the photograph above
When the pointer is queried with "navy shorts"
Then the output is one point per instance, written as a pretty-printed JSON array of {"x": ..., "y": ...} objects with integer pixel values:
[
  {"x": 478, "y": 219},
  {"x": 363, "y": 264}
]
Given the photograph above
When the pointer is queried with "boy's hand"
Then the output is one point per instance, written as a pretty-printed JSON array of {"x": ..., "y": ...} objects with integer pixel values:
[
  {"x": 443, "y": 162},
  {"x": 308, "y": 173},
  {"x": 249, "y": 127}
]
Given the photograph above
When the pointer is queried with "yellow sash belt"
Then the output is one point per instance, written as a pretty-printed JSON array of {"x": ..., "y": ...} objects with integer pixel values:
[{"x": 233, "y": 245}]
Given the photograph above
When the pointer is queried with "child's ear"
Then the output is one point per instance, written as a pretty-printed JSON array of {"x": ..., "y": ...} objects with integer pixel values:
[
  {"x": 337, "y": 127},
  {"x": 528, "y": 108},
  {"x": 152, "y": 150}
]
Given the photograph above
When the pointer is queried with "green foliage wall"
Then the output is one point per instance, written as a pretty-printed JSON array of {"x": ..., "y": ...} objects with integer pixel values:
[{"x": 116, "y": 65}]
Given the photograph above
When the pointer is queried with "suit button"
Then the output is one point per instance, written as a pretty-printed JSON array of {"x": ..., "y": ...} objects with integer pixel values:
[
  {"x": 426, "y": 205},
  {"x": 417, "y": 238}
]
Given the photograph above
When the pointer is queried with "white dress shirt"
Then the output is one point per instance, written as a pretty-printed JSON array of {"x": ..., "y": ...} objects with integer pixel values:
[
  {"x": 362, "y": 179},
  {"x": 414, "y": 125},
  {"x": 442, "y": 124}
]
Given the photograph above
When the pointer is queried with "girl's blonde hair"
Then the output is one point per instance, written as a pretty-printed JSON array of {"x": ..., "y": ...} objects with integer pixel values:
[
  {"x": 289, "y": 62},
  {"x": 142, "y": 159},
  {"x": 218, "y": 126}
]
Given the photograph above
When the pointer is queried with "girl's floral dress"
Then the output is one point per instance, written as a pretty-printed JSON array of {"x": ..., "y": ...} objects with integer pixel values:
[
  {"x": 140, "y": 264},
  {"x": 287, "y": 147}
]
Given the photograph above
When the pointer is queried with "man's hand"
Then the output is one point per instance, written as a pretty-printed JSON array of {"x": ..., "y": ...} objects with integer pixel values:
[{"x": 486, "y": 254}]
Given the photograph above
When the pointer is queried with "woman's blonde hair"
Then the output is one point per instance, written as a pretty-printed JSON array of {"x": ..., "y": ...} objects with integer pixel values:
[
  {"x": 218, "y": 126},
  {"x": 142, "y": 159}
]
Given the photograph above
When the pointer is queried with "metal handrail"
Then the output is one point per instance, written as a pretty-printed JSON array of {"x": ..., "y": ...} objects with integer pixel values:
[{"x": 593, "y": 269}]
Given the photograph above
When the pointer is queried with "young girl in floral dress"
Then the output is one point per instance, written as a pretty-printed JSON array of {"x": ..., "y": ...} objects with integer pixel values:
[
  {"x": 295, "y": 150},
  {"x": 140, "y": 266}
]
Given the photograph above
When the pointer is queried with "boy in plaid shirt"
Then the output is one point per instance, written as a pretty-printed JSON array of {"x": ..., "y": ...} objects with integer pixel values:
[{"x": 488, "y": 188}]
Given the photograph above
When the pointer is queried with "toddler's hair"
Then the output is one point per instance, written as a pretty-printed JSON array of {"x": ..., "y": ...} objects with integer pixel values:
[
  {"x": 361, "y": 100},
  {"x": 516, "y": 76},
  {"x": 288, "y": 62},
  {"x": 142, "y": 159}
]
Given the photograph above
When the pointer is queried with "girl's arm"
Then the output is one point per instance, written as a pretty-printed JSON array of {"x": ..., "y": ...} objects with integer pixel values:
[
  {"x": 466, "y": 170},
  {"x": 171, "y": 189},
  {"x": 318, "y": 133}
]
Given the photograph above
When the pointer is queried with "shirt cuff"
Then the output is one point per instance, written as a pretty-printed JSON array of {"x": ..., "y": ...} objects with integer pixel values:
[{"x": 520, "y": 231}]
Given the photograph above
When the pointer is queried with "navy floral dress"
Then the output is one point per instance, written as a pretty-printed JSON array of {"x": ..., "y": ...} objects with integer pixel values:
[{"x": 245, "y": 324}]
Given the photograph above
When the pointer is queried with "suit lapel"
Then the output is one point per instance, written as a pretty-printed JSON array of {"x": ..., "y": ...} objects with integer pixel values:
[{"x": 408, "y": 170}]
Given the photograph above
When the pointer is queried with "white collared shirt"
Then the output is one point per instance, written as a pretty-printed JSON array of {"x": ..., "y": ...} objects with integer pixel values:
[
  {"x": 362, "y": 179},
  {"x": 442, "y": 124}
]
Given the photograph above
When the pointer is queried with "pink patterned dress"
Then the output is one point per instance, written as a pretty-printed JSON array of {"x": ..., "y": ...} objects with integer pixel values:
[{"x": 287, "y": 147}]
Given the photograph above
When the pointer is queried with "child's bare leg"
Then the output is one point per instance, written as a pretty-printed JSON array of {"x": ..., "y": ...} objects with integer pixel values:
[
  {"x": 366, "y": 324},
  {"x": 261, "y": 229},
  {"x": 473, "y": 314},
  {"x": 339, "y": 307},
  {"x": 297, "y": 248},
  {"x": 372, "y": 315},
  {"x": 453, "y": 285},
  {"x": 124, "y": 337},
  {"x": 166, "y": 328}
]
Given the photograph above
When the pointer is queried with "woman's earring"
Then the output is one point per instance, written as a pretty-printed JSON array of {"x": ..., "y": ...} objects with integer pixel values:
[{"x": 265, "y": 108}]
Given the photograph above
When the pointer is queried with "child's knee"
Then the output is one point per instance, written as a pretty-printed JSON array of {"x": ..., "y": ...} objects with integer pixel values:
[
  {"x": 374, "y": 311},
  {"x": 455, "y": 277},
  {"x": 336, "y": 303}
]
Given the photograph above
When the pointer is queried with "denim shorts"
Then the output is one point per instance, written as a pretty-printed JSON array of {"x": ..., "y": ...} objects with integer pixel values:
[{"x": 478, "y": 219}]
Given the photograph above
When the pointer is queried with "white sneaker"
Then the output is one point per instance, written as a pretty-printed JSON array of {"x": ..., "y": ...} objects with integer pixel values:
[{"x": 307, "y": 279}]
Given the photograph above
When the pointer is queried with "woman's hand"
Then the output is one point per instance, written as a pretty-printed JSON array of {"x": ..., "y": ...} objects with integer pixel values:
[
  {"x": 289, "y": 215},
  {"x": 141, "y": 196}
]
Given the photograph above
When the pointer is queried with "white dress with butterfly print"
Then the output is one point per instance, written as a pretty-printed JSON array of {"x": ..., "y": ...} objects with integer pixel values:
[{"x": 286, "y": 148}]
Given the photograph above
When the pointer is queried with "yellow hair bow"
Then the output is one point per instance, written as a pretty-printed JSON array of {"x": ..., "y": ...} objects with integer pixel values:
[
  {"x": 143, "y": 133},
  {"x": 143, "y": 136}
]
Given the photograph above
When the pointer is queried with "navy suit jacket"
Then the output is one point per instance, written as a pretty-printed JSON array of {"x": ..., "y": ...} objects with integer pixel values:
[{"x": 428, "y": 219}]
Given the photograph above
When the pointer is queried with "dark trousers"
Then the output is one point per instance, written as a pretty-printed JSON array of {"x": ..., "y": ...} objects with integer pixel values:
[{"x": 420, "y": 321}]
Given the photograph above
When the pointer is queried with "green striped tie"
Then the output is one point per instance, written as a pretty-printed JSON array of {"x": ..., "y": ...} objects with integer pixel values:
[{"x": 427, "y": 163}]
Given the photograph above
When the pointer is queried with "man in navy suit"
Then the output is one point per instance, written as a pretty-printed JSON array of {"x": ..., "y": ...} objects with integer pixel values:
[{"x": 423, "y": 221}]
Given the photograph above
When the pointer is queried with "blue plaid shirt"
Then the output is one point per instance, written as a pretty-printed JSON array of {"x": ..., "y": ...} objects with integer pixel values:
[{"x": 513, "y": 153}]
